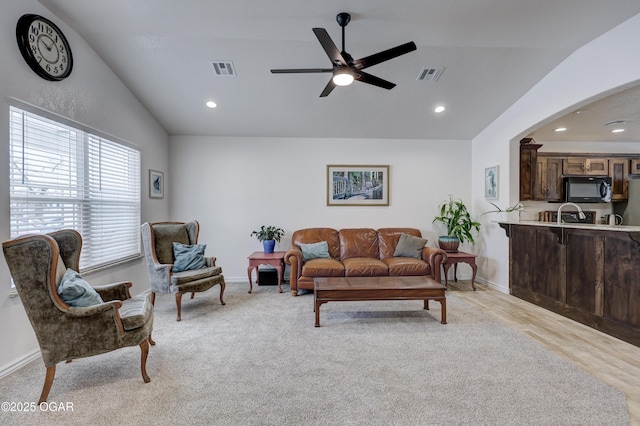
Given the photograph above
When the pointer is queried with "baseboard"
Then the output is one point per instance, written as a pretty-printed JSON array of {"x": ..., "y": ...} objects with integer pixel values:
[
  {"x": 7, "y": 369},
  {"x": 492, "y": 285}
]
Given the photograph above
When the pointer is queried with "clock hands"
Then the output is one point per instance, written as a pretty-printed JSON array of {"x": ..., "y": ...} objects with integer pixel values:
[{"x": 49, "y": 47}]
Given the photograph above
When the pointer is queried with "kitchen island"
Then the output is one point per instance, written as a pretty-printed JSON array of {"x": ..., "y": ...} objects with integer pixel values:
[{"x": 589, "y": 273}]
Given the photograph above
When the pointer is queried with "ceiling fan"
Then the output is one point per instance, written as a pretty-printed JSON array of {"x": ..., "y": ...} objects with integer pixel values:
[{"x": 345, "y": 69}]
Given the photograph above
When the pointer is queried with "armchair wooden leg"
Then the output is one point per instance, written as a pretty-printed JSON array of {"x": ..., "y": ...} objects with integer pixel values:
[
  {"x": 222, "y": 287},
  {"x": 153, "y": 298},
  {"x": 193, "y": 294},
  {"x": 179, "y": 305},
  {"x": 48, "y": 381},
  {"x": 144, "y": 348},
  {"x": 151, "y": 341}
]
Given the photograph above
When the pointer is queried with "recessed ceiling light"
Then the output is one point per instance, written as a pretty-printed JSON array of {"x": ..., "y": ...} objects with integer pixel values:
[
  {"x": 617, "y": 131},
  {"x": 439, "y": 109},
  {"x": 560, "y": 129},
  {"x": 211, "y": 104}
]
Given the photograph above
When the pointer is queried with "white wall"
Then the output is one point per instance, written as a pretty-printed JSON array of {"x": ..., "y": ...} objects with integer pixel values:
[
  {"x": 598, "y": 67},
  {"x": 234, "y": 185},
  {"x": 95, "y": 97}
]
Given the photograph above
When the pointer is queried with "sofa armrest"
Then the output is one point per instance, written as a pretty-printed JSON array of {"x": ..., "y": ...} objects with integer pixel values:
[
  {"x": 435, "y": 257},
  {"x": 293, "y": 258}
]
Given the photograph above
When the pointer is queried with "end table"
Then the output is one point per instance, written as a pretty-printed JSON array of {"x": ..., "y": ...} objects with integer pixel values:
[
  {"x": 258, "y": 258},
  {"x": 454, "y": 259}
]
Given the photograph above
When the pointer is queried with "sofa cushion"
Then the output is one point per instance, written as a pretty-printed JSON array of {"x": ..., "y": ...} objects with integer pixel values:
[
  {"x": 409, "y": 246},
  {"x": 388, "y": 239},
  {"x": 403, "y": 266},
  {"x": 314, "y": 250},
  {"x": 184, "y": 277},
  {"x": 316, "y": 235},
  {"x": 359, "y": 242},
  {"x": 364, "y": 267},
  {"x": 323, "y": 267}
]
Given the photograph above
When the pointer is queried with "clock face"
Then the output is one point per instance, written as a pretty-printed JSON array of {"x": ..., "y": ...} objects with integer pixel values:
[{"x": 44, "y": 47}]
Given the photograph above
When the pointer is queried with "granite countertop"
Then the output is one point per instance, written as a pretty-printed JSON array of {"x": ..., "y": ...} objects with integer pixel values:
[{"x": 595, "y": 227}]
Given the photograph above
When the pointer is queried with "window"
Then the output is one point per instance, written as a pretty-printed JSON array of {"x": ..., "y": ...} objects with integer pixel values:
[{"x": 62, "y": 176}]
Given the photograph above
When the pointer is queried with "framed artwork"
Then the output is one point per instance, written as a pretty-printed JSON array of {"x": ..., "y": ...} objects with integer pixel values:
[
  {"x": 491, "y": 183},
  {"x": 357, "y": 185},
  {"x": 156, "y": 184}
]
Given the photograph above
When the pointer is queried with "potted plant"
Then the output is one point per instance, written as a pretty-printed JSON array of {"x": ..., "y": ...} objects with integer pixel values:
[
  {"x": 457, "y": 219},
  {"x": 268, "y": 235},
  {"x": 505, "y": 214}
]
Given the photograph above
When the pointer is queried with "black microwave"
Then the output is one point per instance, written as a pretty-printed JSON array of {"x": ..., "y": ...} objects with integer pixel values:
[{"x": 587, "y": 189}]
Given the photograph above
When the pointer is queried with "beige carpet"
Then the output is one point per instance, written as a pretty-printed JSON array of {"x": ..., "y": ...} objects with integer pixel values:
[{"x": 260, "y": 361}]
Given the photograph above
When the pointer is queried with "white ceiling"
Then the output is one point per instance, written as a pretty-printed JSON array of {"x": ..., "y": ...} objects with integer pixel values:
[{"x": 493, "y": 51}]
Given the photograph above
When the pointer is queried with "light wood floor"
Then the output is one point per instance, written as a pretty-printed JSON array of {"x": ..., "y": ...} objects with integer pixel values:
[{"x": 611, "y": 360}]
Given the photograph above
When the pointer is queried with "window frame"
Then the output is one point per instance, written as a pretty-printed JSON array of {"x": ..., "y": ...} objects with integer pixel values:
[{"x": 86, "y": 162}]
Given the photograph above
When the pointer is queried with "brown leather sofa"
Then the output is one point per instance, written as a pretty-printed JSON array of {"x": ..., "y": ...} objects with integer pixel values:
[{"x": 358, "y": 252}]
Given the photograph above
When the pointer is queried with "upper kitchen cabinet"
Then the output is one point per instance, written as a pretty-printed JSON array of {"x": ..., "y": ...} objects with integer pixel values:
[
  {"x": 635, "y": 167},
  {"x": 619, "y": 172},
  {"x": 528, "y": 164},
  {"x": 581, "y": 166},
  {"x": 549, "y": 178}
]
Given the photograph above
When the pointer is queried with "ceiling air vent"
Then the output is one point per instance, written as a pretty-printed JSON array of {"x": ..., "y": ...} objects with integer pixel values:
[
  {"x": 615, "y": 123},
  {"x": 223, "y": 68},
  {"x": 430, "y": 74}
]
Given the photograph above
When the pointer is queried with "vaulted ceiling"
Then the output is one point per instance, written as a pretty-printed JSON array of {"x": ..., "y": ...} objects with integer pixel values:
[{"x": 492, "y": 52}]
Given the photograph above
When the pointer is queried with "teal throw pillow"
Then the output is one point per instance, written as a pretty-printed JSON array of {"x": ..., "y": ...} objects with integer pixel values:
[
  {"x": 409, "y": 246},
  {"x": 315, "y": 250},
  {"x": 75, "y": 291},
  {"x": 188, "y": 257}
]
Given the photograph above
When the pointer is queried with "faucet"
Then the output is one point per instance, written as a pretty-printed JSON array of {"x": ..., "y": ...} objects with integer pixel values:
[{"x": 580, "y": 212}]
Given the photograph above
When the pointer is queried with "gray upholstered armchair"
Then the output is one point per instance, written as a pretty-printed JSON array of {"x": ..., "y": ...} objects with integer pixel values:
[
  {"x": 158, "y": 239},
  {"x": 66, "y": 332}
]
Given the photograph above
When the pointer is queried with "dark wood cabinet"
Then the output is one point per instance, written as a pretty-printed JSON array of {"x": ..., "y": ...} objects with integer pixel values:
[
  {"x": 549, "y": 178},
  {"x": 588, "y": 275},
  {"x": 634, "y": 166},
  {"x": 528, "y": 162},
  {"x": 580, "y": 166},
  {"x": 619, "y": 173}
]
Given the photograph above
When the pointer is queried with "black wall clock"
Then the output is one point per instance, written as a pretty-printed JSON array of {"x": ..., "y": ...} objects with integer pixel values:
[{"x": 44, "y": 47}]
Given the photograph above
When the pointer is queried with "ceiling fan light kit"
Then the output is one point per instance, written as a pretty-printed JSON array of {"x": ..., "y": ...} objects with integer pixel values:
[{"x": 344, "y": 68}]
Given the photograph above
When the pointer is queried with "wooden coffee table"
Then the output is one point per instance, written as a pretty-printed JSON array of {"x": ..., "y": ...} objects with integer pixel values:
[{"x": 347, "y": 289}]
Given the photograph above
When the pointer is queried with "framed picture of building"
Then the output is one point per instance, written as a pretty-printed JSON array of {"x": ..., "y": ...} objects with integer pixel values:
[
  {"x": 491, "y": 183},
  {"x": 357, "y": 185}
]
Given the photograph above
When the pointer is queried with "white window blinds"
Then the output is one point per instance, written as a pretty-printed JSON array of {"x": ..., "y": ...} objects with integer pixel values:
[{"x": 63, "y": 177}]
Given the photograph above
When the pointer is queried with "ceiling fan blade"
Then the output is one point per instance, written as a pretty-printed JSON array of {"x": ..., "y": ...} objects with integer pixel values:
[
  {"x": 372, "y": 79},
  {"x": 328, "y": 88},
  {"x": 329, "y": 46},
  {"x": 385, "y": 55},
  {"x": 300, "y": 70}
]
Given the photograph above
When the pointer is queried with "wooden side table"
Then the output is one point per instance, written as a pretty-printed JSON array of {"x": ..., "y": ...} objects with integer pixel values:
[
  {"x": 258, "y": 258},
  {"x": 454, "y": 259}
]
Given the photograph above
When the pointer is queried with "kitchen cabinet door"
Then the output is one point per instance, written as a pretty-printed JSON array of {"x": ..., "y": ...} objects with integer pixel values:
[
  {"x": 635, "y": 166},
  {"x": 619, "y": 172},
  {"x": 528, "y": 162},
  {"x": 581, "y": 166},
  {"x": 549, "y": 178}
]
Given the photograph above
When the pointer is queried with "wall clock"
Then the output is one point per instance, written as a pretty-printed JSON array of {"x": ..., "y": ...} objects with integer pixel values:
[{"x": 44, "y": 47}]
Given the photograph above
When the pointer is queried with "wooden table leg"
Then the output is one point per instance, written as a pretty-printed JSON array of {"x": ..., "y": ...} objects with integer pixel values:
[
  {"x": 443, "y": 303},
  {"x": 473, "y": 277},
  {"x": 317, "y": 309},
  {"x": 249, "y": 270},
  {"x": 279, "y": 269}
]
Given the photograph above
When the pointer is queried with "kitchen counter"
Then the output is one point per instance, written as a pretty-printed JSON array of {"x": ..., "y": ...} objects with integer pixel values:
[
  {"x": 589, "y": 226},
  {"x": 585, "y": 272}
]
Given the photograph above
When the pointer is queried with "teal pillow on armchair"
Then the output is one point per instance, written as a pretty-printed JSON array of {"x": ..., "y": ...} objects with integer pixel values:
[{"x": 188, "y": 257}]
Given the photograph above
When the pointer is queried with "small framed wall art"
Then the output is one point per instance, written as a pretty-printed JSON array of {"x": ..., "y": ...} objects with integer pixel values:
[
  {"x": 357, "y": 185},
  {"x": 156, "y": 184},
  {"x": 491, "y": 183}
]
